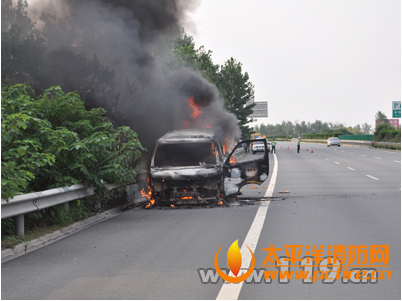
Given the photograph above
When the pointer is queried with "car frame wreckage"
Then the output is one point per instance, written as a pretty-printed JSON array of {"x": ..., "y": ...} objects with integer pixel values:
[{"x": 189, "y": 167}]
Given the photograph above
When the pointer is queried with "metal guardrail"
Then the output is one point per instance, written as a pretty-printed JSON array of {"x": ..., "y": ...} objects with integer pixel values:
[{"x": 26, "y": 203}]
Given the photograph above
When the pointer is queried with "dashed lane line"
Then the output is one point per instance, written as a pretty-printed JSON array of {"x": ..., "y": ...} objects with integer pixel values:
[
  {"x": 363, "y": 155},
  {"x": 351, "y": 168},
  {"x": 372, "y": 177},
  {"x": 337, "y": 162},
  {"x": 378, "y": 158},
  {"x": 396, "y": 161},
  {"x": 326, "y": 159}
]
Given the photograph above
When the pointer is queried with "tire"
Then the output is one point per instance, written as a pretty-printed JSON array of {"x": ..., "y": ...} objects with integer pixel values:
[{"x": 253, "y": 153}]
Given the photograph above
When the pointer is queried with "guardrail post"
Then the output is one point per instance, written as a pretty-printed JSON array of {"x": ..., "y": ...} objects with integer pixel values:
[
  {"x": 65, "y": 205},
  {"x": 19, "y": 225}
]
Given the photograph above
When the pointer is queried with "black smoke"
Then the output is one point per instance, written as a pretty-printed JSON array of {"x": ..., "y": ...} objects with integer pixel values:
[{"x": 107, "y": 51}]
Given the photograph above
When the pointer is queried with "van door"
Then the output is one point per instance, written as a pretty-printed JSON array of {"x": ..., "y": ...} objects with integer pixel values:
[{"x": 246, "y": 165}]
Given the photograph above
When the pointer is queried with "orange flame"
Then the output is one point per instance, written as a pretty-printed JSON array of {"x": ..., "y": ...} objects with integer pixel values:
[
  {"x": 196, "y": 111},
  {"x": 148, "y": 196},
  {"x": 171, "y": 205},
  {"x": 197, "y": 121},
  {"x": 213, "y": 155},
  {"x": 233, "y": 159},
  {"x": 234, "y": 258},
  {"x": 220, "y": 203}
]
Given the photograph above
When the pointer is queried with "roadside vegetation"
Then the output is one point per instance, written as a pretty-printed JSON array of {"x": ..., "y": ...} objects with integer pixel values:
[
  {"x": 385, "y": 135},
  {"x": 297, "y": 129},
  {"x": 50, "y": 141}
]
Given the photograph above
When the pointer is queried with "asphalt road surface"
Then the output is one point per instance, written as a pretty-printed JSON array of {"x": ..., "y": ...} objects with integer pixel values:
[{"x": 337, "y": 196}]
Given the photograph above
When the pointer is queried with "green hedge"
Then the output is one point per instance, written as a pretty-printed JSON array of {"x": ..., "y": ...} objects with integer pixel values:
[
  {"x": 279, "y": 137},
  {"x": 356, "y": 137},
  {"x": 321, "y": 136}
]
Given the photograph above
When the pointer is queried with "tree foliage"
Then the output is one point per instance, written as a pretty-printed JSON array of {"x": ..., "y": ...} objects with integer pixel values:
[
  {"x": 51, "y": 140},
  {"x": 380, "y": 117},
  {"x": 237, "y": 90}
]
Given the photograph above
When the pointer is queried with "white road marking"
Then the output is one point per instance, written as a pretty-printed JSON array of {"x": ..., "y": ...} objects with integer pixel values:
[
  {"x": 342, "y": 151},
  {"x": 351, "y": 168},
  {"x": 372, "y": 177},
  {"x": 363, "y": 155},
  {"x": 319, "y": 156},
  {"x": 337, "y": 163},
  {"x": 325, "y": 159},
  {"x": 377, "y": 158},
  {"x": 396, "y": 161},
  {"x": 352, "y": 153},
  {"x": 231, "y": 291}
]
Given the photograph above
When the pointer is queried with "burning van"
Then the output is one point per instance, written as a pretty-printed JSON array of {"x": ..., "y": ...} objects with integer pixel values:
[{"x": 190, "y": 167}]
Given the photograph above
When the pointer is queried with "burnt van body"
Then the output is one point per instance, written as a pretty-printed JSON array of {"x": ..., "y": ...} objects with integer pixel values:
[{"x": 190, "y": 167}]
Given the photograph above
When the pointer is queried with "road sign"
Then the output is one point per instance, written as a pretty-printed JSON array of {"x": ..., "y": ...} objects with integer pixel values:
[
  {"x": 260, "y": 109},
  {"x": 396, "y": 109}
]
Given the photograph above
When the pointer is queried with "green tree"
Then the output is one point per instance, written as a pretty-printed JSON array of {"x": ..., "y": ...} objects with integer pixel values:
[
  {"x": 237, "y": 92},
  {"x": 380, "y": 117},
  {"x": 52, "y": 140},
  {"x": 366, "y": 128}
]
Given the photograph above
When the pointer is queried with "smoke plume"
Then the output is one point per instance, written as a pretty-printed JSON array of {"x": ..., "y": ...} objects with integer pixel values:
[{"x": 125, "y": 36}]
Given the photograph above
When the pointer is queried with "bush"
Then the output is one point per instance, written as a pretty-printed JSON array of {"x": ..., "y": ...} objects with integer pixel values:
[
  {"x": 51, "y": 140},
  {"x": 386, "y": 133}
]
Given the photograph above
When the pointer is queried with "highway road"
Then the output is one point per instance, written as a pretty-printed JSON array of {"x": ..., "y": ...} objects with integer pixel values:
[{"x": 336, "y": 196}]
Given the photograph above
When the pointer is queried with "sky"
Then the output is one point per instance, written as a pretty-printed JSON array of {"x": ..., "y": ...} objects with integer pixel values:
[{"x": 331, "y": 60}]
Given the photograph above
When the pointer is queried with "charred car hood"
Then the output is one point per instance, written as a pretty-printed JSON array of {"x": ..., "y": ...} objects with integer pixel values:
[{"x": 185, "y": 172}]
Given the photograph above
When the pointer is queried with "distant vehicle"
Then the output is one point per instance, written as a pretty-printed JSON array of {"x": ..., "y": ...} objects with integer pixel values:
[
  {"x": 333, "y": 141},
  {"x": 258, "y": 146},
  {"x": 256, "y": 136}
]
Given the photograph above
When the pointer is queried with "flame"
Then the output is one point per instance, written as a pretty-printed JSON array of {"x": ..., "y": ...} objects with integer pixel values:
[
  {"x": 151, "y": 202},
  {"x": 171, "y": 205},
  {"x": 233, "y": 159},
  {"x": 196, "y": 111},
  {"x": 196, "y": 115},
  {"x": 213, "y": 155},
  {"x": 148, "y": 196},
  {"x": 234, "y": 258},
  {"x": 220, "y": 203}
]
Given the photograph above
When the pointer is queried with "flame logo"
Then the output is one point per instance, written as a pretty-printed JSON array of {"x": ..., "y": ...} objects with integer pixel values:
[{"x": 234, "y": 261}]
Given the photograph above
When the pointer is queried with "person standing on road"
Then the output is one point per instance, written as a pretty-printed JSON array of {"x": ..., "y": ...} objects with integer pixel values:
[
  {"x": 298, "y": 144},
  {"x": 273, "y": 145}
]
